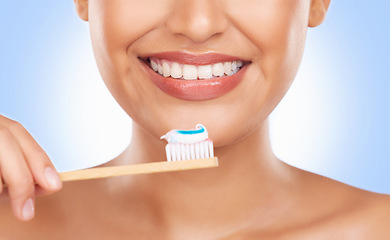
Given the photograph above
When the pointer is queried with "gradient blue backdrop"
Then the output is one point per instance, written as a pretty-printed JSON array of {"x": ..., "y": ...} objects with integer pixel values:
[{"x": 334, "y": 120}]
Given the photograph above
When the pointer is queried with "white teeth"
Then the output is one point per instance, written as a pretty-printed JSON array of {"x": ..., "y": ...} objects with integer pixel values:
[
  {"x": 190, "y": 72},
  {"x": 154, "y": 66},
  {"x": 160, "y": 69},
  {"x": 205, "y": 72},
  {"x": 234, "y": 65},
  {"x": 176, "y": 71},
  {"x": 166, "y": 69},
  {"x": 218, "y": 70},
  {"x": 227, "y": 66}
]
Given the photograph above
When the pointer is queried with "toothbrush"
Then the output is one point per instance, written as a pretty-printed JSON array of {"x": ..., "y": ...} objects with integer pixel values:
[
  {"x": 188, "y": 144},
  {"x": 186, "y": 149}
]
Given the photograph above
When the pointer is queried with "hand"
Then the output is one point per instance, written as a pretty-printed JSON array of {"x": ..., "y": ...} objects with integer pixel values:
[{"x": 25, "y": 168}]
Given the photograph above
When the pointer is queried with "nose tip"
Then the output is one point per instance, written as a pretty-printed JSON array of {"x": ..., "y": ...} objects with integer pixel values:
[{"x": 198, "y": 20}]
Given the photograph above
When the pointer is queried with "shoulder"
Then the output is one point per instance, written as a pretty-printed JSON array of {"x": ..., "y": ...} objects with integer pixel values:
[
  {"x": 321, "y": 208},
  {"x": 335, "y": 210},
  {"x": 374, "y": 217},
  {"x": 354, "y": 213}
]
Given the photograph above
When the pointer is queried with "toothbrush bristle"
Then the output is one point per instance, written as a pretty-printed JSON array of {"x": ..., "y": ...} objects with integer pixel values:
[
  {"x": 197, "y": 151},
  {"x": 173, "y": 151},
  {"x": 211, "y": 148},
  {"x": 180, "y": 151},
  {"x": 183, "y": 152},
  {"x": 168, "y": 152},
  {"x": 187, "y": 147},
  {"x": 178, "y": 155},
  {"x": 192, "y": 149},
  {"x": 206, "y": 149}
]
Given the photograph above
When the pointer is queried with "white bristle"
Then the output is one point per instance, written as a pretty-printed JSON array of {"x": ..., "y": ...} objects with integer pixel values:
[
  {"x": 168, "y": 152},
  {"x": 187, "y": 146},
  {"x": 197, "y": 151},
  {"x": 201, "y": 149},
  {"x": 179, "y": 151},
  {"x": 183, "y": 152},
  {"x": 173, "y": 152},
  {"x": 211, "y": 148},
  {"x": 178, "y": 155},
  {"x": 192, "y": 151},
  {"x": 206, "y": 149}
]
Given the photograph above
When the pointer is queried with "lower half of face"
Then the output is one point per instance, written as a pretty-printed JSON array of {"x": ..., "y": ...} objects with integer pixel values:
[{"x": 172, "y": 64}]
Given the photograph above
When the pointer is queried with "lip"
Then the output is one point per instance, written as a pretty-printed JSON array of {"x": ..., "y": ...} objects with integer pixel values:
[{"x": 195, "y": 90}]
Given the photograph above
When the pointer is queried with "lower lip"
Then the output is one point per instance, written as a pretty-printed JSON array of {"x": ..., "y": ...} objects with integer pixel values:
[{"x": 196, "y": 90}]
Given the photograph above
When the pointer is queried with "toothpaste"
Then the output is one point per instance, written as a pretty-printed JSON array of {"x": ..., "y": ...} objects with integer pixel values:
[{"x": 199, "y": 134}]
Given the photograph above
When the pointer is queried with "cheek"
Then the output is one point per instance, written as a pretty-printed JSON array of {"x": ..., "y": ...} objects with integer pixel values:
[
  {"x": 278, "y": 30},
  {"x": 114, "y": 26}
]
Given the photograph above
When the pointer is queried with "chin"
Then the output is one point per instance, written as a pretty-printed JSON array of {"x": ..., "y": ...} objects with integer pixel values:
[{"x": 224, "y": 129}]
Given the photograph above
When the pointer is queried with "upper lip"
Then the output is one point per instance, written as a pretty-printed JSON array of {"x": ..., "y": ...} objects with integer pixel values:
[{"x": 190, "y": 58}]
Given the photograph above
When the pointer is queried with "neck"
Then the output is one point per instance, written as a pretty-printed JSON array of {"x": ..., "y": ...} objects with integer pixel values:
[{"x": 248, "y": 176}]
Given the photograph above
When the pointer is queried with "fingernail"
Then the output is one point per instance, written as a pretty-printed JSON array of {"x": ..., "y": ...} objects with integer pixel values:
[
  {"x": 52, "y": 178},
  {"x": 28, "y": 210}
]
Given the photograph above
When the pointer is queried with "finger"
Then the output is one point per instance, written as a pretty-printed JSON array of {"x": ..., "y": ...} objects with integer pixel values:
[
  {"x": 40, "y": 191},
  {"x": 17, "y": 176},
  {"x": 1, "y": 184},
  {"x": 41, "y": 167}
]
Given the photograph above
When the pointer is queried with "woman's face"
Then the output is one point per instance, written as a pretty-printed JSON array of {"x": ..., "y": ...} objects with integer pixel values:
[{"x": 266, "y": 35}]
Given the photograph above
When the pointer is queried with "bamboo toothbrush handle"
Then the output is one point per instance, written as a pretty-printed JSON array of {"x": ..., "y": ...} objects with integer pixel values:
[{"x": 153, "y": 167}]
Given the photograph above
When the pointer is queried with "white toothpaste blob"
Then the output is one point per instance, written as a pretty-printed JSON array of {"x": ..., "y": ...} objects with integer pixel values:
[{"x": 199, "y": 134}]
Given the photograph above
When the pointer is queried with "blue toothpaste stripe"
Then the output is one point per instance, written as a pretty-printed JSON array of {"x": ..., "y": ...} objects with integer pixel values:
[{"x": 189, "y": 132}]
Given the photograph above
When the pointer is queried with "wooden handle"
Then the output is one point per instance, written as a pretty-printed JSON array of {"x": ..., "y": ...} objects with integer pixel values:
[{"x": 153, "y": 167}]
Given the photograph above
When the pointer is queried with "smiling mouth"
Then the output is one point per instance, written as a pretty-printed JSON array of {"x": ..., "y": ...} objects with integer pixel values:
[
  {"x": 194, "y": 77},
  {"x": 180, "y": 71}
]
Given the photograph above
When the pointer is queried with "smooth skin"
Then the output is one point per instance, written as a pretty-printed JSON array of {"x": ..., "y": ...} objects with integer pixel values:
[{"x": 251, "y": 195}]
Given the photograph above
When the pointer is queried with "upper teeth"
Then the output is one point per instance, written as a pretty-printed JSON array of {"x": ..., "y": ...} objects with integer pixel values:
[{"x": 192, "y": 72}]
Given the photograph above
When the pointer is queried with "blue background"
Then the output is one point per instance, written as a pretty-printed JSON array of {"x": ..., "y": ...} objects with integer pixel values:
[{"x": 334, "y": 120}]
